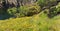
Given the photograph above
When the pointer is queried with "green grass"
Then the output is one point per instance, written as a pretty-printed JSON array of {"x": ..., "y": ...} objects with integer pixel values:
[
  {"x": 39, "y": 22},
  {"x": 54, "y": 24}
]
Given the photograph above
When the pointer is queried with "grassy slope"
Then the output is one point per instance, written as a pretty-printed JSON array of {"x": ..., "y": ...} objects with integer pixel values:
[{"x": 39, "y": 22}]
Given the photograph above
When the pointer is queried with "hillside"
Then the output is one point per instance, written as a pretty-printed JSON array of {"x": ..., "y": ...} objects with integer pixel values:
[
  {"x": 29, "y": 15},
  {"x": 39, "y": 22}
]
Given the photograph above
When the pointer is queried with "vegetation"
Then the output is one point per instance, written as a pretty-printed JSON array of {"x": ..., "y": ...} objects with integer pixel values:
[
  {"x": 29, "y": 15},
  {"x": 39, "y": 22}
]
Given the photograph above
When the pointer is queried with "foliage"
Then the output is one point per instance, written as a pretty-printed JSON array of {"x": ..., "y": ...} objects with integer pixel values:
[
  {"x": 58, "y": 7},
  {"x": 27, "y": 10},
  {"x": 39, "y": 22},
  {"x": 54, "y": 11},
  {"x": 12, "y": 11},
  {"x": 43, "y": 3},
  {"x": 30, "y": 9},
  {"x": 45, "y": 20},
  {"x": 34, "y": 23}
]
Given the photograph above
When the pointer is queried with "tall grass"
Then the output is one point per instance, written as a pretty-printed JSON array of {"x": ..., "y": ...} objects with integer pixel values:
[{"x": 39, "y": 22}]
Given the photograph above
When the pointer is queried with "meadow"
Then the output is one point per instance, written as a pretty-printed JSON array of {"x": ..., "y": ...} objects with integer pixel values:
[
  {"x": 39, "y": 22},
  {"x": 29, "y": 15}
]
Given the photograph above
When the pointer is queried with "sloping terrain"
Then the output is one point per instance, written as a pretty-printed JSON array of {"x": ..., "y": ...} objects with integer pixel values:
[
  {"x": 39, "y": 22},
  {"x": 29, "y": 15}
]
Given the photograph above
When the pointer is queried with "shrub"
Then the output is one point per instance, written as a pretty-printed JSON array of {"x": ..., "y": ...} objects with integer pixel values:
[
  {"x": 58, "y": 7},
  {"x": 29, "y": 10},
  {"x": 26, "y": 10},
  {"x": 54, "y": 11},
  {"x": 12, "y": 11}
]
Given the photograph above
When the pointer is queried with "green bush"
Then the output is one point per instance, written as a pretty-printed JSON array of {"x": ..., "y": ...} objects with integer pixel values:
[
  {"x": 29, "y": 10},
  {"x": 55, "y": 10},
  {"x": 58, "y": 7},
  {"x": 12, "y": 11},
  {"x": 26, "y": 10}
]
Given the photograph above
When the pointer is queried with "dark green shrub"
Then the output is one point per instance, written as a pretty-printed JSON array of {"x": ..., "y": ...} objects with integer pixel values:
[
  {"x": 26, "y": 10},
  {"x": 29, "y": 10},
  {"x": 54, "y": 11},
  {"x": 58, "y": 8}
]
